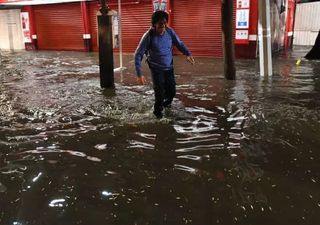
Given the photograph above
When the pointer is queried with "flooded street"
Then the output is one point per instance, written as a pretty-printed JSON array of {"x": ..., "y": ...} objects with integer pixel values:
[{"x": 229, "y": 152}]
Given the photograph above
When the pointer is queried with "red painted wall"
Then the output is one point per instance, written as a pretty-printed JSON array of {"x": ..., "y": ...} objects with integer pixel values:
[{"x": 250, "y": 50}]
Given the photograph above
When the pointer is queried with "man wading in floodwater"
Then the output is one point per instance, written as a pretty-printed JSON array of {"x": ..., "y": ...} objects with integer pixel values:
[{"x": 157, "y": 44}]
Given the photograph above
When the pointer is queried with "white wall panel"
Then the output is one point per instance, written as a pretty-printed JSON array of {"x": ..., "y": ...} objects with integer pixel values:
[
  {"x": 10, "y": 30},
  {"x": 307, "y": 23}
]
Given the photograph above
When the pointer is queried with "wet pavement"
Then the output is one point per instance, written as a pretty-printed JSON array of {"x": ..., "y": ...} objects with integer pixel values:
[{"x": 228, "y": 152}]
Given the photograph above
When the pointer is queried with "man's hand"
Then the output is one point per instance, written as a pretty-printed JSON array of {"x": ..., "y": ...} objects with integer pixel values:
[
  {"x": 191, "y": 59},
  {"x": 141, "y": 80}
]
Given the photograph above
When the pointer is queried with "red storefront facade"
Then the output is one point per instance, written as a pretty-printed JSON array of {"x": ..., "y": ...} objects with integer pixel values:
[{"x": 73, "y": 25}]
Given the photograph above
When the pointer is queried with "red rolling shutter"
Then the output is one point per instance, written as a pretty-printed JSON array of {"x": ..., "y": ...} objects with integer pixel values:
[
  {"x": 59, "y": 26},
  {"x": 93, "y": 9},
  {"x": 198, "y": 24},
  {"x": 136, "y": 19}
]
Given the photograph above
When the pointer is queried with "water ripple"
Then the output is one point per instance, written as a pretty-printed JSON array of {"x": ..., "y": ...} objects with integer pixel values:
[{"x": 44, "y": 151}]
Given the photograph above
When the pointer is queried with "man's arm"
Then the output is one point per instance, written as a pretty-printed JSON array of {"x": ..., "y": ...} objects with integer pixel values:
[
  {"x": 181, "y": 46},
  {"x": 140, "y": 51}
]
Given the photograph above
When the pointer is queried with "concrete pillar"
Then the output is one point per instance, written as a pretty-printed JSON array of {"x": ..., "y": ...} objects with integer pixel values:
[
  {"x": 105, "y": 47},
  {"x": 228, "y": 46}
]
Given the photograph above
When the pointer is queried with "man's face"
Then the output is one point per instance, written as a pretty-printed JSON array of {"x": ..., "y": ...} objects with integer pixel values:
[{"x": 161, "y": 26}]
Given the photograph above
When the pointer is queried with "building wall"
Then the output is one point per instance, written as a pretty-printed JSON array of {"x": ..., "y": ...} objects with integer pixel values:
[
  {"x": 11, "y": 32},
  {"x": 198, "y": 23},
  {"x": 307, "y": 24}
]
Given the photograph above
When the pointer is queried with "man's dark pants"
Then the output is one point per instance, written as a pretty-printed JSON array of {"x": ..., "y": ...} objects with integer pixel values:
[{"x": 164, "y": 86}]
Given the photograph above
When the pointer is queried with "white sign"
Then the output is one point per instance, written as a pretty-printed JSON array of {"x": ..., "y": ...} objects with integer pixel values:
[
  {"x": 156, "y": 5},
  {"x": 163, "y": 5},
  {"x": 242, "y": 34},
  {"x": 160, "y": 5},
  {"x": 25, "y": 25},
  {"x": 243, "y": 4},
  {"x": 115, "y": 31},
  {"x": 242, "y": 18}
]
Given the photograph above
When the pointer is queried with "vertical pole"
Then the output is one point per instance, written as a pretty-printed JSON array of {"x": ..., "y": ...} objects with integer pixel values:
[
  {"x": 105, "y": 47},
  {"x": 120, "y": 33},
  {"x": 265, "y": 38},
  {"x": 286, "y": 27},
  {"x": 228, "y": 49},
  {"x": 10, "y": 30},
  {"x": 86, "y": 26}
]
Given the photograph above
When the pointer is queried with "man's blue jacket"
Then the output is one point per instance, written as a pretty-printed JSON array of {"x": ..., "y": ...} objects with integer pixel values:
[{"x": 158, "y": 49}]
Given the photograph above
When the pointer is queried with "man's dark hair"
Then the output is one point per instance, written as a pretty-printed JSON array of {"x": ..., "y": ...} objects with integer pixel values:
[{"x": 159, "y": 15}]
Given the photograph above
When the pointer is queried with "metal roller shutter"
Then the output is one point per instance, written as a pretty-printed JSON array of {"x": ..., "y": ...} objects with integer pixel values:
[
  {"x": 136, "y": 16},
  {"x": 136, "y": 19},
  {"x": 59, "y": 26},
  {"x": 93, "y": 9},
  {"x": 198, "y": 24}
]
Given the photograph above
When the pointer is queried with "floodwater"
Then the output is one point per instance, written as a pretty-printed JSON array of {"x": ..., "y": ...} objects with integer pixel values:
[{"x": 228, "y": 152}]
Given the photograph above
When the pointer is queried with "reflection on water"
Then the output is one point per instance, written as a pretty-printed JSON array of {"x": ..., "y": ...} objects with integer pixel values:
[{"x": 228, "y": 152}]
